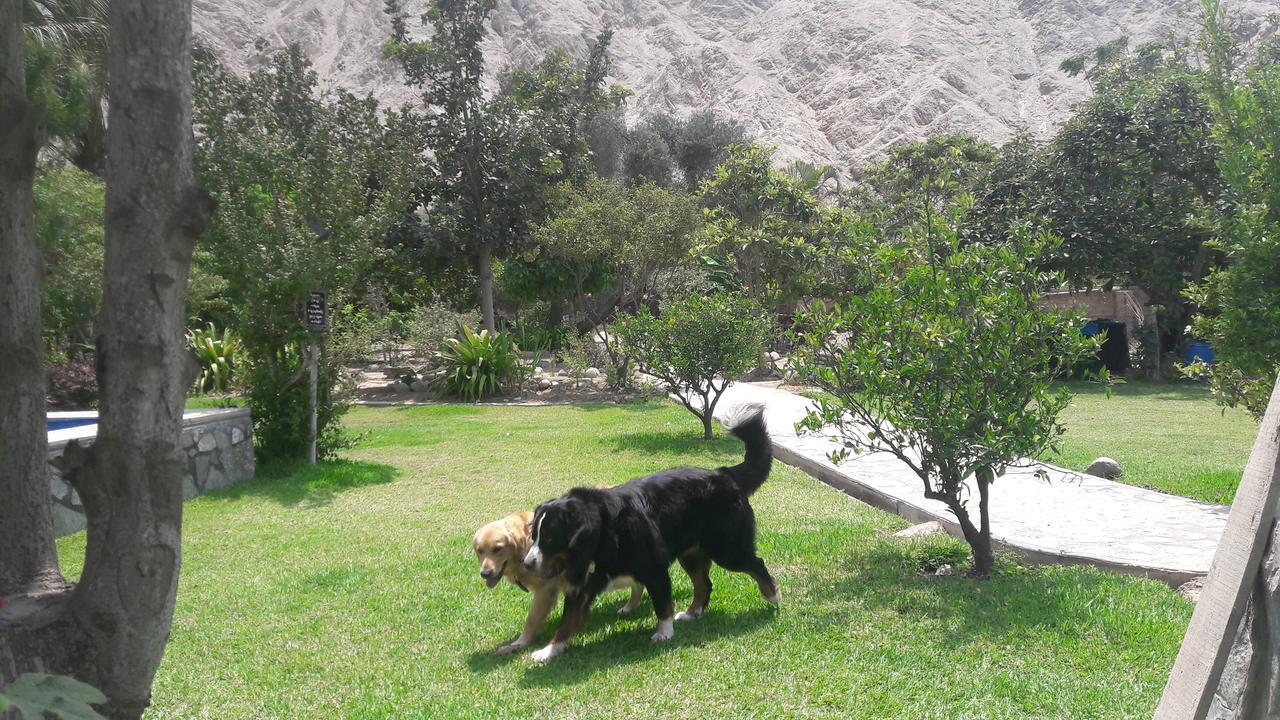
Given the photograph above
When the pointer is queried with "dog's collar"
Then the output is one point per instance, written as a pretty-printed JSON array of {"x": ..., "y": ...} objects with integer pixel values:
[{"x": 519, "y": 584}]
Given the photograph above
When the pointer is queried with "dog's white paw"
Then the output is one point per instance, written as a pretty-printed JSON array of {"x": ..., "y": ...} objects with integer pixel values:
[
  {"x": 776, "y": 597},
  {"x": 685, "y": 615},
  {"x": 548, "y": 652},
  {"x": 666, "y": 630},
  {"x": 511, "y": 647}
]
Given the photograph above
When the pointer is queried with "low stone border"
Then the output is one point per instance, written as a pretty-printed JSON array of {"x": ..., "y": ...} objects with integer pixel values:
[{"x": 218, "y": 445}]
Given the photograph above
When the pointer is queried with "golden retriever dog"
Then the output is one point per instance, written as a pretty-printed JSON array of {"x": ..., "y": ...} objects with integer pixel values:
[{"x": 501, "y": 547}]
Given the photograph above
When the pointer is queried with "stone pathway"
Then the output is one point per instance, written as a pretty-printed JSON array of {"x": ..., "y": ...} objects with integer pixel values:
[{"x": 1073, "y": 518}]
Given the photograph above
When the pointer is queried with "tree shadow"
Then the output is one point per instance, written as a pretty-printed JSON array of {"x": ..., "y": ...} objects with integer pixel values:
[
  {"x": 1184, "y": 391},
  {"x": 295, "y": 483},
  {"x": 964, "y": 611},
  {"x": 687, "y": 441}
]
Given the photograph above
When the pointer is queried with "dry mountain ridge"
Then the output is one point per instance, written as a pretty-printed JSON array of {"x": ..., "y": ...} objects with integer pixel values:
[{"x": 834, "y": 81}]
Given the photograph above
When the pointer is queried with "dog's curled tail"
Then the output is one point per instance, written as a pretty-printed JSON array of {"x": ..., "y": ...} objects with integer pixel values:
[{"x": 747, "y": 424}]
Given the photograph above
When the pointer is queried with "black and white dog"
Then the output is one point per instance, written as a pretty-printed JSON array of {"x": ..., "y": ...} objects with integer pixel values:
[{"x": 590, "y": 537}]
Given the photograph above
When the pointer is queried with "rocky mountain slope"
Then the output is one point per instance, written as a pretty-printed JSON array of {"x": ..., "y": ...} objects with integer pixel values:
[{"x": 834, "y": 81}]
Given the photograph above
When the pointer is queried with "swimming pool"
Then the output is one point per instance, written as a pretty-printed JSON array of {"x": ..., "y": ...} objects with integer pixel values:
[{"x": 65, "y": 423}]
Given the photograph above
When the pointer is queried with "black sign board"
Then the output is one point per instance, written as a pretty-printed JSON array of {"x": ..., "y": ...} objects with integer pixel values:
[{"x": 315, "y": 314}]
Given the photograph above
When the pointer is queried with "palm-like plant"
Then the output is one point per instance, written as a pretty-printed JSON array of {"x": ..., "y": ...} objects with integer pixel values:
[
  {"x": 475, "y": 365},
  {"x": 217, "y": 355},
  {"x": 67, "y": 49}
]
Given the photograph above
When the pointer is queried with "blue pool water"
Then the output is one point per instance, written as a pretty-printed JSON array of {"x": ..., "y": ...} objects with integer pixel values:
[{"x": 64, "y": 423}]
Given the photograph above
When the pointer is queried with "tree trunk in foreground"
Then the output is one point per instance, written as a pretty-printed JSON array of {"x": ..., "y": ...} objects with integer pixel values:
[
  {"x": 111, "y": 630},
  {"x": 484, "y": 263},
  {"x": 130, "y": 479},
  {"x": 28, "y": 559}
]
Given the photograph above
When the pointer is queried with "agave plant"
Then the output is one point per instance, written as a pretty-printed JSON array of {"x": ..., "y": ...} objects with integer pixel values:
[
  {"x": 217, "y": 355},
  {"x": 475, "y": 365}
]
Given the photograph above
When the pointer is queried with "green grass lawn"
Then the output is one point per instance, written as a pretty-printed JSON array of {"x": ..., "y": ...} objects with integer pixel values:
[
  {"x": 349, "y": 590},
  {"x": 1172, "y": 438}
]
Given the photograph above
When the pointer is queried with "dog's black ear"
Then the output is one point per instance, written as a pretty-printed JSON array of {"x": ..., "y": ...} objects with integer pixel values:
[{"x": 582, "y": 544}]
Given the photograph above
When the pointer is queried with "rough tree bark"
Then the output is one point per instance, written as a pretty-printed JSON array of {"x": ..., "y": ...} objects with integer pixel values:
[
  {"x": 111, "y": 630},
  {"x": 130, "y": 479},
  {"x": 28, "y": 559},
  {"x": 484, "y": 262}
]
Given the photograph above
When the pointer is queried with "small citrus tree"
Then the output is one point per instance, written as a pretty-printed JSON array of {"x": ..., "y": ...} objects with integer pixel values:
[
  {"x": 697, "y": 345},
  {"x": 946, "y": 363}
]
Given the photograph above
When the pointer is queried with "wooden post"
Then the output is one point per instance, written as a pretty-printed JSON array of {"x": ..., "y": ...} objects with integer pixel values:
[
  {"x": 1198, "y": 670},
  {"x": 313, "y": 362}
]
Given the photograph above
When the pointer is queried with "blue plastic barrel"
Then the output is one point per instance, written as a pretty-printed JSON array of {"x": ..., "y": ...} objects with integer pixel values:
[{"x": 1199, "y": 350}]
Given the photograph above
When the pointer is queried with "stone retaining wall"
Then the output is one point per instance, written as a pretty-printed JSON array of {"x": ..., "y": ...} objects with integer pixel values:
[{"x": 218, "y": 445}]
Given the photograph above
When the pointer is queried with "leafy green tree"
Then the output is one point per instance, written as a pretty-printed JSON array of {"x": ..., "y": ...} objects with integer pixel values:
[
  {"x": 1240, "y": 302},
  {"x": 894, "y": 191},
  {"x": 306, "y": 186},
  {"x": 761, "y": 224},
  {"x": 945, "y": 362},
  {"x": 493, "y": 158},
  {"x": 697, "y": 345},
  {"x": 69, "y": 225},
  {"x": 1130, "y": 181},
  {"x": 614, "y": 243}
]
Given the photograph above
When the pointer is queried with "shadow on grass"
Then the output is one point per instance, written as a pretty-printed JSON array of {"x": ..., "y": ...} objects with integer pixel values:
[
  {"x": 582, "y": 661},
  {"x": 677, "y": 441},
  {"x": 964, "y": 611},
  {"x": 1187, "y": 390},
  {"x": 309, "y": 486}
]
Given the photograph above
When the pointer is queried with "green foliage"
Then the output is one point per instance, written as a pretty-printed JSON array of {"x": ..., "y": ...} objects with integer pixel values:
[
  {"x": 616, "y": 244},
  {"x": 66, "y": 53},
  {"x": 770, "y": 233},
  {"x": 697, "y": 345},
  {"x": 493, "y": 159},
  {"x": 432, "y": 324},
  {"x": 278, "y": 395},
  {"x": 69, "y": 226},
  {"x": 473, "y": 366},
  {"x": 218, "y": 355},
  {"x": 1130, "y": 181},
  {"x": 946, "y": 362},
  {"x": 34, "y": 694},
  {"x": 306, "y": 187},
  {"x": 894, "y": 191},
  {"x": 1241, "y": 301}
]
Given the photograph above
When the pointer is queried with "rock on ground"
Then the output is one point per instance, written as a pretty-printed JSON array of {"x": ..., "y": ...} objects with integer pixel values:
[{"x": 1105, "y": 467}]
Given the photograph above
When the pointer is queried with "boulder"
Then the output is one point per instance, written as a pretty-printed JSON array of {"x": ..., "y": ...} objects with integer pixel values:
[
  {"x": 933, "y": 527},
  {"x": 418, "y": 386},
  {"x": 1105, "y": 467},
  {"x": 591, "y": 373},
  {"x": 400, "y": 388}
]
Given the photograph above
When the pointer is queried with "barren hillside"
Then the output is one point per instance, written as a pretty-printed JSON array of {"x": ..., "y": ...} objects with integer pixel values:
[{"x": 825, "y": 80}]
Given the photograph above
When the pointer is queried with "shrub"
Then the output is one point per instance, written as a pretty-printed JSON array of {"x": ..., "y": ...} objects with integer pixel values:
[
  {"x": 69, "y": 227},
  {"x": 218, "y": 356},
  {"x": 434, "y": 323},
  {"x": 72, "y": 384},
  {"x": 278, "y": 395},
  {"x": 697, "y": 345},
  {"x": 946, "y": 363},
  {"x": 475, "y": 365}
]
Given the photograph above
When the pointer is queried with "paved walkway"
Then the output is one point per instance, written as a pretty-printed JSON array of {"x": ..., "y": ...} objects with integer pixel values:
[{"x": 1073, "y": 518}]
